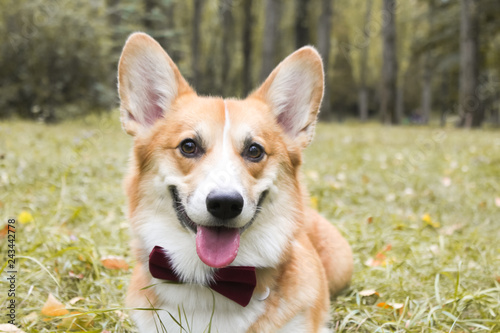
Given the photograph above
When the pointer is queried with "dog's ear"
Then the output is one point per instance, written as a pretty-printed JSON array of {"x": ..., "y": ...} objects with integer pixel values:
[
  {"x": 294, "y": 91},
  {"x": 148, "y": 83}
]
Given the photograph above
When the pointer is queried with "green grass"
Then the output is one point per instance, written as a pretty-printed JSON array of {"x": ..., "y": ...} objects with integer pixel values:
[{"x": 374, "y": 182}]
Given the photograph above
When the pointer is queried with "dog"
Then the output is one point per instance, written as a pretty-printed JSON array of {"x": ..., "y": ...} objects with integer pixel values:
[{"x": 222, "y": 234}]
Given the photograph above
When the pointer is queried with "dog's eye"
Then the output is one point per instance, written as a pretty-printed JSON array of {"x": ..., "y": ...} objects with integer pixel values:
[
  {"x": 254, "y": 152},
  {"x": 188, "y": 148}
]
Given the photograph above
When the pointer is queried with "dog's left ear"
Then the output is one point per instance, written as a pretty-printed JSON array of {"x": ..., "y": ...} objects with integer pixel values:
[{"x": 294, "y": 91}]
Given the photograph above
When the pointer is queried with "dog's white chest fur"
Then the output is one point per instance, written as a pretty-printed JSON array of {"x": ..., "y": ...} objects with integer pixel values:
[{"x": 197, "y": 308}]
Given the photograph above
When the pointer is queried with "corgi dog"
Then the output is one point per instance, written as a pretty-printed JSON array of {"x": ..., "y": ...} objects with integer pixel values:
[{"x": 221, "y": 231}]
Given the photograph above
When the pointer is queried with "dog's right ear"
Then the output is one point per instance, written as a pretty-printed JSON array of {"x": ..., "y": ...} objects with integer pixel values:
[{"x": 148, "y": 83}]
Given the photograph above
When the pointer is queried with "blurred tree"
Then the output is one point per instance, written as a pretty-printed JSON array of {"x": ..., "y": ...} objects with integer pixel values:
[
  {"x": 54, "y": 60},
  {"x": 343, "y": 87},
  {"x": 427, "y": 70},
  {"x": 301, "y": 24},
  {"x": 224, "y": 46},
  {"x": 271, "y": 26},
  {"x": 195, "y": 42},
  {"x": 470, "y": 109},
  {"x": 390, "y": 65},
  {"x": 247, "y": 47},
  {"x": 363, "y": 91},
  {"x": 324, "y": 36},
  {"x": 148, "y": 20},
  {"x": 226, "y": 15}
]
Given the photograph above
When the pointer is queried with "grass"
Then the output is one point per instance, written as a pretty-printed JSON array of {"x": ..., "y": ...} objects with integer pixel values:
[{"x": 417, "y": 205}]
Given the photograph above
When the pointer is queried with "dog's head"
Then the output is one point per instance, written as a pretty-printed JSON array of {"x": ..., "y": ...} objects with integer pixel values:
[{"x": 206, "y": 170}]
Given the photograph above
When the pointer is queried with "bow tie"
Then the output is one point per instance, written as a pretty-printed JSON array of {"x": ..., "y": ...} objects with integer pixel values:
[{"x": 234, "y": 282}]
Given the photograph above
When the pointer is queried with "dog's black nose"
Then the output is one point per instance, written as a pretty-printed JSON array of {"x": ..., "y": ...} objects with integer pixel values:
[{"x": 224, "y": 205}]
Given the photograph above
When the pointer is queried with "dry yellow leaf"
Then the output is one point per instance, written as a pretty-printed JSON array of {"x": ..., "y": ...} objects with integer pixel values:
[
  {"x": 53, "y": 307},
  {"x": 112, "y": 262},
  {"x": 426, "y": 218},
  {"x": 25, "y": 217}
]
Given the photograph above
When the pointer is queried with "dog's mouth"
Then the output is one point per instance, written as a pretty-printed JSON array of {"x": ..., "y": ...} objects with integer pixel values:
[{"x": 216, "y": 246}]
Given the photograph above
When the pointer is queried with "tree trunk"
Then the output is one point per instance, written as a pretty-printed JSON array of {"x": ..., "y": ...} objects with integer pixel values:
[
  {"x": 172, "y": 39},
  {"x": 426, "y": 99},
  {"x": 390, "y": 66},
  {"x": 301, "y": 24},
  {"x": 426, "y": 90},
  {"x": 363, "y": 92},
  {"x": 247, "y": 47},
  {"x": 470, "y": 109},
  {"x": 114, "y": 16},
  {"x": 400, "y": 101},
  {"x": 147, "y": 21},
  {"x": 495, "y": 116},
  {"x": 445, "y": 100},
  {"x": 195, "y": 58},
  {"x": 227, "y": 88},
  {"x": 271, "y": 27},
  {"x": 324, "y": 30}
]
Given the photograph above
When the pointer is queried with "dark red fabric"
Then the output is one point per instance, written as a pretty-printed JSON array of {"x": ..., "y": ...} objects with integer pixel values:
[{"x": 234, "y": 282}]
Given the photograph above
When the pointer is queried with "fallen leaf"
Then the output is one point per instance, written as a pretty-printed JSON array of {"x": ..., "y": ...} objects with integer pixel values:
[
  {"x": 53, "y": 307},
  {"x": 112, "y": 262},
  {"x": 446, "y": 181},
  {"x": 409, "y": 191},
  {"x": 75, "y": 299},
  {"x": 10, "y": 328},
  {"x": 121, "y": 316},
  {"x": 25, "y": 217},
  {"x": 434, "y": 249},
  {"x": 77, "y": 322},
  {"x": 75, "y": 276},
  {"x": 383, "y": 305},
  {"x": 4, "y": 231},
  {"x": 395, "y": 306},
  {"x": 426, "y": 218},
  {"x": 368, "y": 292},
  {"x": 380, "y": 257},
  {"x": 450, "y": 230},
  {"x": 388, "y": 247}
]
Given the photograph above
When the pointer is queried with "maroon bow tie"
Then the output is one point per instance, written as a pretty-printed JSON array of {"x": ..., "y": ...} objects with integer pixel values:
[{"x": 236, "y": 283}]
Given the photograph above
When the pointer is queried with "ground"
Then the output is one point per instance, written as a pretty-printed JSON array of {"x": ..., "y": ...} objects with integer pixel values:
[{"x": 419, "y": 205}]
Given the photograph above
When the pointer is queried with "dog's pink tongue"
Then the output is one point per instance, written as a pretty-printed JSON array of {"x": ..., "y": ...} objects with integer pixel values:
[{"x": 217, "y": 247}]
